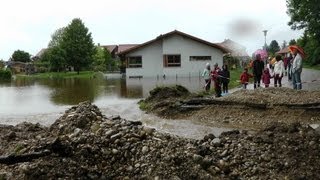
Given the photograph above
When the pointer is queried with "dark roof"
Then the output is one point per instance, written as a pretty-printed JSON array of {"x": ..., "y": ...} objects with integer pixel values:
[
  {"x": 40, "y": 53},
  {"x": 124, "y": 47},
  {"x": 235, "y": 48},
  {"x": 110, "y": 48},
  {"x": 224, "y": 50}
]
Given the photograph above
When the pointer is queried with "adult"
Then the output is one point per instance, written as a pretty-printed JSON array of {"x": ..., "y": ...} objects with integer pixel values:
[
  {"x": 206, "y": 76},
  {"x": 290, "y": 59},
  {"x": 215, "y": 76},
  {"x": 225, "y": 78},
  {"x": 258, "y": 67},
  {"x": 296, "y": 66},
  {"x": 278, "y": 71}
]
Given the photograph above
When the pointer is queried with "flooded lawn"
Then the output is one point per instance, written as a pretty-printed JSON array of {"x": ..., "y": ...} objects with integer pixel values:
[{"x": 43, "y": 101}]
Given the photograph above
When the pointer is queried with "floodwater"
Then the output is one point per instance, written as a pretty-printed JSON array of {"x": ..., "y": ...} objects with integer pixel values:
[{"x": 43, "y": 101}]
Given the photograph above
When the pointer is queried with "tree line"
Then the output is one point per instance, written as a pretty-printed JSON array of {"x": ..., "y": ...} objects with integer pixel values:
[
  {"x": 304, "y": 15},
  {"x": 71, "y": 47}
]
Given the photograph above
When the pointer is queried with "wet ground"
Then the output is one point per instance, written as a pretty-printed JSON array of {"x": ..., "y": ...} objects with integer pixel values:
[
  {"x": 128, "y": 109},
  {"x": 310, "y": 80}
]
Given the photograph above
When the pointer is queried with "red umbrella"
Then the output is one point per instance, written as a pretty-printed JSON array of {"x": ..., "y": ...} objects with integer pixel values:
[
  {"x": 263, "y": 53},
  {"x": 299, "y": 49}
]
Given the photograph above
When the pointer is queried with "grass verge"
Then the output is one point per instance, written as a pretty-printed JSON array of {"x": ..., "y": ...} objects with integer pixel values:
[{"x": 61, "y": 75}]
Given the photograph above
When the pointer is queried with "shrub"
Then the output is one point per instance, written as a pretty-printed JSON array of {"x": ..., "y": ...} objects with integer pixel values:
[{"x": 5, "y": 74}]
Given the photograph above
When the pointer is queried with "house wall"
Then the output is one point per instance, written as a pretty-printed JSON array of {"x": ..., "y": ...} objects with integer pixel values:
[
  {"x": 152, "y": 57},
  {"x": 152, "y": 61},
  {"x": 186, "y": 47}
]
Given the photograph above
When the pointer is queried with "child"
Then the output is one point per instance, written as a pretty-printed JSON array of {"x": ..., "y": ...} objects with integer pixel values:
[
  {"x": 244, "y": 78},
  {"x": 278, "y": 71},
  {"x": 266, "y": 77}
]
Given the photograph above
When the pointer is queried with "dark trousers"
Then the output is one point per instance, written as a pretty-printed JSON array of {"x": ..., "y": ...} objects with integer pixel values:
[
  {"x": 225, "y": 87},
  {"x": 208, "y": 84},
  {"x": 277, "y": 80},
  {"x": 217, "y": 88},
  {"x": 257, "y": 79}
]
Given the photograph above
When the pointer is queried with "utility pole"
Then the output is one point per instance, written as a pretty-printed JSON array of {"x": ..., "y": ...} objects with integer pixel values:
[{"x": 265, "y": 39}]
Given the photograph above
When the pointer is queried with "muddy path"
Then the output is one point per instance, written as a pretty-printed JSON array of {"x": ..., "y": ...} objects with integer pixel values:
[{"x": 244, "y": 109}]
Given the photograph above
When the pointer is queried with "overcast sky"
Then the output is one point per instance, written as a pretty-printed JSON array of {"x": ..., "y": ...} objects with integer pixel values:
[{"x": 28, "y": 25}]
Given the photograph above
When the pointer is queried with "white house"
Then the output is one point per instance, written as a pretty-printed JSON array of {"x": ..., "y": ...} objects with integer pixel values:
[{"x": 171, "y": 54}]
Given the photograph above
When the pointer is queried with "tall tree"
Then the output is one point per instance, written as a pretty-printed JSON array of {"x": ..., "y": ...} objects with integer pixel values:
[
  {"x": 273, "y": 47},
  {"x": 78, "y": 45},
  {"x": 56, "y": 37},
  {"x": 21, "y": 56},
  {"x": 292, "y": 42},
  {"x": 305, "y": 15}
]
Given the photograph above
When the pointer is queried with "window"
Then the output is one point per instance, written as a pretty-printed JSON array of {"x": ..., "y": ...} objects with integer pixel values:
[
  {"x": 200, "y": 58},
  {"x": 134, "y": 62},
  {"x": 172, "y": 60}
]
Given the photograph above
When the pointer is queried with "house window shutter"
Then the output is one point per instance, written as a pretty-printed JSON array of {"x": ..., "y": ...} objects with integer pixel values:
[{"x": 165, "y": 61}]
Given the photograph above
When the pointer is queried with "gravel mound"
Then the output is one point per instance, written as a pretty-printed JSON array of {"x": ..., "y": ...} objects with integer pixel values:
[
  {"x": 85, "y": 144},
  {"x": 275, "y": 96}
]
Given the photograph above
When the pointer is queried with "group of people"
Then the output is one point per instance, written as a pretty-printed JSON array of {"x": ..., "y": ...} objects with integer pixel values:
[
  {"x": 220, "y": 78},
  {"x": 275, "y": 70},
  {"x": 263, "y": 73},
  {"x": 260, "y": 72}
]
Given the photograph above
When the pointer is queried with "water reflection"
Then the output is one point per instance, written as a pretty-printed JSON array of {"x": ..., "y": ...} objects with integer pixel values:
[{"x": 72, "y": 91}]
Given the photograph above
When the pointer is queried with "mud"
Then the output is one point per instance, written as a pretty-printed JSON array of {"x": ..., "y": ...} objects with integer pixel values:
[
  {"x": 274, "y": 140},
  {"x": 244, "y": 109}
]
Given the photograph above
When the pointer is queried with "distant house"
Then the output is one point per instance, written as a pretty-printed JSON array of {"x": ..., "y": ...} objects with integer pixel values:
[
  {"x": 171, "y": 54},
  {"x": 39, "y": 54},
  {"x": 18, "y": 67},
  {"x": 116, "y": 49},
  {"x": 113, "y": 50},
  {"x": 237, "y": 50}
]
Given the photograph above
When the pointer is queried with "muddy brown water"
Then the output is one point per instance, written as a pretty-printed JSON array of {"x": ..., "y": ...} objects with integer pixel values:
[{"x": 43, "y": 101}]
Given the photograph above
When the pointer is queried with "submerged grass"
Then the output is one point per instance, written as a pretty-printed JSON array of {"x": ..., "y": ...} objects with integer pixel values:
[{"x": 61, "y": 75}]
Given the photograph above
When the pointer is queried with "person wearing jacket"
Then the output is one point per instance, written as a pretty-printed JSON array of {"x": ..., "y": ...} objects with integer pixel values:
[
  {"x": 278, "y": 71},
  {"x": 216, "y": 78},
  {"x": 296, "y": 70},
  {"x": 258, "y": 67},
  {"x": 244, "y": 78},
  {"x": 266, "y": 77},
  {"x": 206, "y": 76},
  {"x": 225, "y": 78}
]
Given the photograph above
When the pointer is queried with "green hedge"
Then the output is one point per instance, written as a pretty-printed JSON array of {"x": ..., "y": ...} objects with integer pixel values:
[{"x": 5, "y": 75}]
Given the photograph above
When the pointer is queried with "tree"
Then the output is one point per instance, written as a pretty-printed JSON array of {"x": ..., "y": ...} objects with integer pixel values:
[
  {"x": 292, "y": 42},
  {"x": 284, "y": 44},
  {"x": 311, "y": 48},
  {"x": 273, "y": 47},
  {"x": 78, "y": 45},
  {"x": 305, "y": 15},
  {"x": 21, "y": 56},
  {"x": 99, "y": 63},
  {"x": 56, "y": 58},
  {"x": 56, "y": 37}
]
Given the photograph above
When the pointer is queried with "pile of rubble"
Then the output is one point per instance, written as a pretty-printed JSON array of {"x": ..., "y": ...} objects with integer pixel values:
[{"x": 85, "y": 144}]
